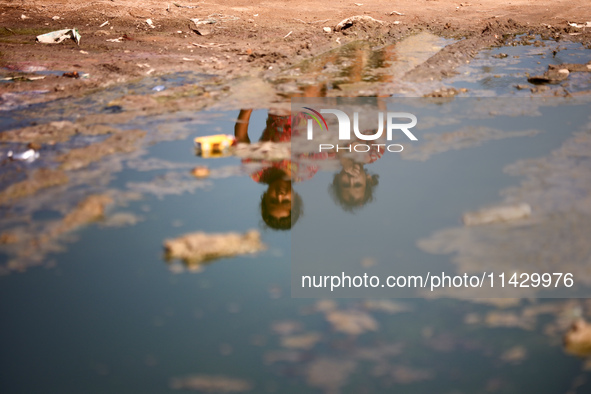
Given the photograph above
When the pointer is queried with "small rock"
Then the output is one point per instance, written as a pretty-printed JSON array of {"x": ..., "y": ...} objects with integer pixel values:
[{"x": 327, "y": 29}]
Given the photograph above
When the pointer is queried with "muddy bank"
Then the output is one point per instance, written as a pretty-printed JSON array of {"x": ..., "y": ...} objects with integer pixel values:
[{"x": 231, "y": 39}]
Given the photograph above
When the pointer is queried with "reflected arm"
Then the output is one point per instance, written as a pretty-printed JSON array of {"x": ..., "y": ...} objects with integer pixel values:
[{"x": 241, "y": 127}]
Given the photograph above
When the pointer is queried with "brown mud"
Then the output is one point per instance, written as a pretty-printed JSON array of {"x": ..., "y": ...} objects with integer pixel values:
[{"x": 249, "y": 39}]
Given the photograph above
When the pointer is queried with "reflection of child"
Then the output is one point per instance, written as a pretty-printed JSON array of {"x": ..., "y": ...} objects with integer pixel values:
[
  {"x": 281, "y": 207},
  {"x": 353, "y": 187}
]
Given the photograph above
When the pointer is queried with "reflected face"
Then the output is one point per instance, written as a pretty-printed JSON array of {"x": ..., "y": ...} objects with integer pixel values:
[
  {"x": 353, "y": 183},
  {"x": 278, "y": 198}
]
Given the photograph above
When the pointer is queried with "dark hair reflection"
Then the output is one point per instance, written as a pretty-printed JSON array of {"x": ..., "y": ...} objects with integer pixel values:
[
  {"x": 281, "y": 206},
  {"x": 353, "y": 187}
]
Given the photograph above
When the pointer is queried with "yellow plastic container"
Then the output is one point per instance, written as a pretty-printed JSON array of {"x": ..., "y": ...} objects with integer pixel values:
[{"x": 214, "y": 145}]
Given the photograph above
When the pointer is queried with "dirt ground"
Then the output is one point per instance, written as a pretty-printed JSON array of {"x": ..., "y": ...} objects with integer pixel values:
[{"x": 248, "y": 38}]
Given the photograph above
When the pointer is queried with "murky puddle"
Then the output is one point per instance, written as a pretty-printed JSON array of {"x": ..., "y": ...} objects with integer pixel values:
[{"x": 90, "y": 303}]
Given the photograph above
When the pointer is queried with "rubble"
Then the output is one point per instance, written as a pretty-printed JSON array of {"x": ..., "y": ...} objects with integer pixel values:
[
  {"x": 55, "y": 37},
  {"x": 357, "y": 19}
]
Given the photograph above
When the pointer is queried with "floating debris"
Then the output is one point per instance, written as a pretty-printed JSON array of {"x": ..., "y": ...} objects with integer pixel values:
[
  {"x": 214, "y": 145},
  {"x": 29, "y": 155}
]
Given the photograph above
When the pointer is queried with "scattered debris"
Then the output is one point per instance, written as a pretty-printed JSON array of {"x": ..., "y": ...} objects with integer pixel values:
[
  {"x": 288, "y": 34},
  {"x": 150, "y": 23},
  {"x": 553, "y": 75},
  {"x": 559, "y": 72},
  {"x": 120, "y": 39},
  {"x": 202, "y": 30},
  {"x": 580, "y": 25},
  {"x": 347, "y": 23},
  {"x": 199, "y": 247},
  {"x": 396, "y": 13},
  {"x": 55, "y": 37},
  {"x": 209, "y": 45},
  {"x": 29, "y": 155},
  {"x": 55, "y": 18},
  {"x": 214, "y": 145},
  {"x": 24, "y": 78},
  {"x": 199, "y": 21},
  {"x": 104, "y": 24},
  {"x": 327, "y": 29},
  {"x": 23, "y": 17},
  {"x": 73, "y": 74},
  {"x": 158, "y": 88},
  {"x": 577, "y": 340},
  {"x": 497, "y": 214}
]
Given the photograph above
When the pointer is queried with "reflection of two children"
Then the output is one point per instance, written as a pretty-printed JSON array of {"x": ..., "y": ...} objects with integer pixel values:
[{"x": 281, "y": 206}]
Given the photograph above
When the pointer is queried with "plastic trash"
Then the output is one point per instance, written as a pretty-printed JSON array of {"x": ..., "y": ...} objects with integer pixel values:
[
  {"x": 29, "y": 155},
  {"x": 214, "y": 145},
  {"x": 55, "y": 37},
  {"x": 158, "y": 88}
]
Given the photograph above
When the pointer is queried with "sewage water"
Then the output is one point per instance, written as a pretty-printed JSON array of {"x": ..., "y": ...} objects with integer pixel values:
[{"x": 100, "y": 309}]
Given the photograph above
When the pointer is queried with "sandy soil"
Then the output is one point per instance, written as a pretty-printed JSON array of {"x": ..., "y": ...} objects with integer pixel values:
[{"x": 248, "y": 38}]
